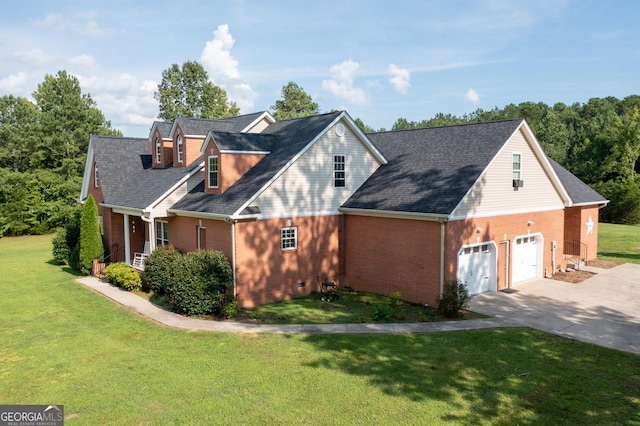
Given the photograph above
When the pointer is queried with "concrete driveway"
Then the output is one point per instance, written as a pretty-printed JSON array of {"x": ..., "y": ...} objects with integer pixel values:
[{"x": 603, "y": 310}]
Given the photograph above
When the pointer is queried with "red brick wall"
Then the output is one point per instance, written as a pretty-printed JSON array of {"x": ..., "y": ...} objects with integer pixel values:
[
  {"x": 576, "y": 219},
  {"x": 183, "y": 233},
  {"x": 190, "y": 148},
  {"x": 385, "y": 255},
  {"x": 266, "y": 273},
  {"x": 231, "y": 167}
]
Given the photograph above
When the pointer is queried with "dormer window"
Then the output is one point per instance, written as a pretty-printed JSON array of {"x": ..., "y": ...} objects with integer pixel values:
[
  {"x": 180, "y": 148},
  {"x": 213, "y": 171},
  {"x": 339, "y": 177},
  {"x": 96, "y": 181},
  {"x": 158, "y": 150}
]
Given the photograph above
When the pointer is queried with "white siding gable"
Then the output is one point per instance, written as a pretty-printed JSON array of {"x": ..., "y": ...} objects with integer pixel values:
[
  {"x": 493, "y": 194},
  {"x": 307, "y": 186}
]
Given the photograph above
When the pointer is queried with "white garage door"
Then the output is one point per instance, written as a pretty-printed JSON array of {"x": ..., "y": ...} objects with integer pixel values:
[
  {"x": 474, "y": 267},
  {"x": 525, "y": 258}
]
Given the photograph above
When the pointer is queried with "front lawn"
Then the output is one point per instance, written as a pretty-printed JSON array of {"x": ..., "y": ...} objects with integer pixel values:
[
  {"x": 62, "y": 343},
  {"x": 619, "y": 242}
]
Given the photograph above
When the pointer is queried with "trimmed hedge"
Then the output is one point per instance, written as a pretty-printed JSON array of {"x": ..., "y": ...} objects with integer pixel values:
[
  {"x": 196, "y": 283},
  {"x": 124, "y": 276}
]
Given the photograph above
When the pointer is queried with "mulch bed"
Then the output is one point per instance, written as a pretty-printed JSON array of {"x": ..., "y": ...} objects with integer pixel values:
[{"x": 579, "y": 275}]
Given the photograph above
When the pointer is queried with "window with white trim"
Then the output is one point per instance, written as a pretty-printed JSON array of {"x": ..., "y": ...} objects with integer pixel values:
[
  {"x": 289, "y": 238},
  {"x": 158, "y": 150},
  {"x": 517, "y": 166},
  {"x": 180, "y": 148},
  {"x": 213, "y": 171},
  {"x": 101, "y": 224},
  {"x": 339, "y": 177},
  {"x": 162, "y": 233},
  {"x": 96, "y": 181}
]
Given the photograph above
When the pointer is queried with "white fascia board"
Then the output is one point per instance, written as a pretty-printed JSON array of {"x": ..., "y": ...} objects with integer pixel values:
[
  {"x": 199, "y": 215},
  {"x": 86, "y": 177},
  {"x": 229, "y": 151},
  {"x": 507, "y": 213},
  {"x": 546, "y": 165},
  {"x": 297, "y": 214},
  {"x": 396, "y": 215},
  {"x": 597, "y": 203},
  {"x": 124, "y": 210},
  {"x": 175, "y": 186},
  {"x": 206, "y": 141},
  {"x": 262, "y": 116},
  {"x": 365, "y": 140}
]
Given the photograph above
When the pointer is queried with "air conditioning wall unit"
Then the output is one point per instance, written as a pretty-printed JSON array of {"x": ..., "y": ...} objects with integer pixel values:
[{"x": 518, "y": 183}]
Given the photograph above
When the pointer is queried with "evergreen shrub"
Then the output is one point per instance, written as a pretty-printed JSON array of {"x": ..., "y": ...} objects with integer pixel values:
[{"x": 124, "y": 276}]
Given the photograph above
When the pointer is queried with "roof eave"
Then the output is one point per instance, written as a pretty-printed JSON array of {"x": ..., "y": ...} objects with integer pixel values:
[{"x": 437, "y": 217}]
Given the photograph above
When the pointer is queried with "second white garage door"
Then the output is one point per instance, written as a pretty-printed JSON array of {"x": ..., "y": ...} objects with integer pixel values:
[{"x": 526, "y": 257}]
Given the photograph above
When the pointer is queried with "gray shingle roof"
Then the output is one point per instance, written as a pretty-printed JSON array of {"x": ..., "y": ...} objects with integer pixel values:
[
  {"x": 290, "y": 137},
  {"x": 259, "y": 142},
  {"x": 579, "y": 191},
  {"x": 430, "y": 170},
  {"x": 126, "y": 176},
  {"x": 164, "y": 127},
  {"x": 200, "y": 126}
]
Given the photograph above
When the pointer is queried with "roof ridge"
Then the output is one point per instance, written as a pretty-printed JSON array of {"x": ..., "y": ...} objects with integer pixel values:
[
  {"x": 504, "y": 120},
  {"x": 309, "y": 116}
]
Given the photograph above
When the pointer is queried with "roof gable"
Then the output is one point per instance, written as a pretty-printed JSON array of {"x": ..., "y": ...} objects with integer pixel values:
[
  {"x": 199, "y": 127},
  {"x": 430, "y": 170}
]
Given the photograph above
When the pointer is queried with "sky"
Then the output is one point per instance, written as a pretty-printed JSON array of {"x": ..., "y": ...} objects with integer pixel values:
[{"x": 378, "y": 60}]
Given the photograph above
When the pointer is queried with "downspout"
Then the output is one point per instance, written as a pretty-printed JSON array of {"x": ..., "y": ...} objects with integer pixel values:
[
  {"x": 442, "y": 233},
  {"x": 233, "y": 253}
]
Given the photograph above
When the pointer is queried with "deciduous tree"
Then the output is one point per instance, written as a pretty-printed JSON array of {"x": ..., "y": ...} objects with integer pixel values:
[
  {"x": 295, "y": 103},
  {"x": 188, "y": 92}
]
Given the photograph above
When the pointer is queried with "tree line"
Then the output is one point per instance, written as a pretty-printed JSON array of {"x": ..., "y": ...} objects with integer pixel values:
[{"x": 43, "y": 143}]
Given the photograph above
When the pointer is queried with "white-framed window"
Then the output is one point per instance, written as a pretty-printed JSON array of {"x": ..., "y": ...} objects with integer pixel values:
[
  {"x": 339, "y": 177},
  {"x": 96, "y": 181},
  {"x": 101, "y": 224},
  {"x": 213, "y": 171},
  {"x": 289, "y": 238},
  {"x": 516, "y": 166},
  {"x": 158, "y": 150},
  {"x": 180, "y": 148},
  {"x": 162, "y": 233}
]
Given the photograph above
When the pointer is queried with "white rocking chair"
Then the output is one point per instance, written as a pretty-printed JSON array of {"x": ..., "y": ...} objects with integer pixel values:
[{"x": 139, "y": 258}]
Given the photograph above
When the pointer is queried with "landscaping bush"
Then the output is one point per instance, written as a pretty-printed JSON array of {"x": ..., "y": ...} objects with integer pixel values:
[
  {"x": 161, "y": 267},
  {"x": 61, "y": 250},
  {"x": 90, "y": 238},
  {"x": 196, "y": 283},
  {"x": 381, "y": 312},
  {"x": 454, "y": 299},
  {"x": 124, "y": 276}
]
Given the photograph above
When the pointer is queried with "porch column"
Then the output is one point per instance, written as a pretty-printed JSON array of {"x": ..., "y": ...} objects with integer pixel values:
[
  {"x": 127, "y": 240},
  {"x": 152, "y": 233}
]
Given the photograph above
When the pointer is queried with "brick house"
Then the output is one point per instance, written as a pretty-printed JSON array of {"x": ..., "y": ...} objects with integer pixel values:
[{"x": 292, "y": 201}]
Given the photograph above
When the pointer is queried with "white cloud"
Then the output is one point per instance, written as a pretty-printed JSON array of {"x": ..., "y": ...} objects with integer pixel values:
[
  {"x": 15, "y": 83},
  {"x": 83, "y": 60},
  {"x": 341, "y": 83},
  {"x": 34, "y": 58},
  {"x": 399, "y": 78},
  {"x": 81, "y": 23},
  {"x": 223, "y": 68},
  {"x": 472, "y": 96}
]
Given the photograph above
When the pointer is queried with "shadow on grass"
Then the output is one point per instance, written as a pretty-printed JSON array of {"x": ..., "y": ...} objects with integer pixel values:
[
  {"x": 498, "y": 376},
  {"x": 625, "y": 257}
]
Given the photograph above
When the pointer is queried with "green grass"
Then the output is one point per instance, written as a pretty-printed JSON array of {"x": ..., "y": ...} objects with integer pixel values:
[
  {"x": 62, "y": 343},
  {"x": 351, "y": 307},
  {"x": 619, "y": 242}
]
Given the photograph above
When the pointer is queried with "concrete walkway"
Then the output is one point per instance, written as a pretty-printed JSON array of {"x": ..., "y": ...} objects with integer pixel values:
[
  {"x": 146, "y": 308},
  {"x": 603, "y": 310}
]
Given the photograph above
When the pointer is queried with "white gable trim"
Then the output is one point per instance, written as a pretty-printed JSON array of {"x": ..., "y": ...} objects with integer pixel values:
[
  {"x": 378, "y": 155},
  {"x": 87, "y": 173},
  {"x": 262, "y": 116},
  {"x": 175, "y": 186}
]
